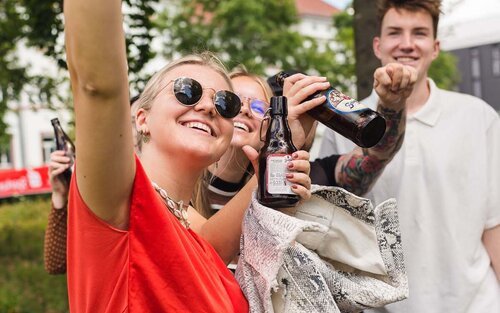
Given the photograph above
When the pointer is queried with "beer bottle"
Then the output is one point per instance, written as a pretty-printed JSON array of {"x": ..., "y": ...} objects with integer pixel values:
[
  {"x": 64, "y": 143},
  {"x": 274, "y": 190},
  {"x": 346, "y": 116}
]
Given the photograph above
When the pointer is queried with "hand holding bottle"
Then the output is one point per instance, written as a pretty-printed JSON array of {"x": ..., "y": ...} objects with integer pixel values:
[
  {"x": 394, "y": 83},
  {"x": 298, "y": 88},
  {"x": 345, "y": 115},
  {"x": 300, "y": 165},
  {"x": 59, "y": 163}
]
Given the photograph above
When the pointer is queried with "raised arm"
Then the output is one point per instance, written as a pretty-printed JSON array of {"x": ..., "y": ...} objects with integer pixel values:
[
  {"x": 358, "y": 170},
  {"x": 95, "y": 47}
]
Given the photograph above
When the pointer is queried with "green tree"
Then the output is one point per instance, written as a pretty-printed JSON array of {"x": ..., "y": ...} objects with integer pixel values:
[
  {"x": 444, "y": 70},
  {"x": 259, "y": 34},
  {"x": 38, "y": 24}
]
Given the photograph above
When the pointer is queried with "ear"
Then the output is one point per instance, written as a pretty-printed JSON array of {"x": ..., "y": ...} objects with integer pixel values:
[
  {"x": 437, "y": 49},
  {"x": 376, "y": 47},
  {"x": 141, "y": 120}
]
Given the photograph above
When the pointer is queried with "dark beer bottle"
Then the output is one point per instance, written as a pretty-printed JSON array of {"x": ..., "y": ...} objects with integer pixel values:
[
  {"x": 274, "y": 190},
  {"x": 64, "y": 143},
  {"x": 346, "y": 116}
]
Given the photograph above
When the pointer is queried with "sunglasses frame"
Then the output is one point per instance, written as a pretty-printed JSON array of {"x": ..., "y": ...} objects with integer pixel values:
[
  {"x": 217, "y": 95},
  {"x": 250, "y": 99}
]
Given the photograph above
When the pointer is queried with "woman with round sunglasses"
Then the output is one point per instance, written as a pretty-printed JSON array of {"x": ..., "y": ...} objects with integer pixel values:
[{"x": 134, "y": 242}]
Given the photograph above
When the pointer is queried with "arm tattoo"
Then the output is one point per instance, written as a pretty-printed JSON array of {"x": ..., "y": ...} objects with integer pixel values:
[{"x": 357, "y": 172}]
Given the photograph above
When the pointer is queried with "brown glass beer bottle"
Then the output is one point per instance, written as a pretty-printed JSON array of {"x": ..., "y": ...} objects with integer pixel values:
[
  {"x": 346, "y": 116},
  {"x": 64, "y": 143},
  {"x": 274, "y": 190}
]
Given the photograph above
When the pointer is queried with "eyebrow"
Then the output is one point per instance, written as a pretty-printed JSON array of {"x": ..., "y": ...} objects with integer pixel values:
[{"x": 392, "y": 28}]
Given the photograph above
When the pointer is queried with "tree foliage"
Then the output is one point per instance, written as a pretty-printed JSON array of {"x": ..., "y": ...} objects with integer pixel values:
[
  {"x": 38, "y": 24},
  {"x": 259, "y": 34}
]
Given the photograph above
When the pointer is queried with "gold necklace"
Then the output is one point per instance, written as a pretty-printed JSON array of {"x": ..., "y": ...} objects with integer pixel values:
[{"x": 177, "y": 208}]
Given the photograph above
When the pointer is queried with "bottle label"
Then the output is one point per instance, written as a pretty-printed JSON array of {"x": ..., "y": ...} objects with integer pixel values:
[
  {"x": 276, "y": 170},
  {"x": 342, "y": 103}
]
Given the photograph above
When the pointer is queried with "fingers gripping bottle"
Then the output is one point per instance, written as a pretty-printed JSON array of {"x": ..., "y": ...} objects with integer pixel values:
[
  {"x": 274, "y": 190},
  {"x": 346, "y": 116},
  {"x": 64, "y": 143}
]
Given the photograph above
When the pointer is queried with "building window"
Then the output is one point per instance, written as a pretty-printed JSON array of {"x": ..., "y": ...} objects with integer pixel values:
[
  {"x": 5, "y": 158},
  {"x": 475, "y": 64},
  {"x": 48, "y": 146},
  {"x": 495, "y": 60},
  {"x": 476, "y": 88}
]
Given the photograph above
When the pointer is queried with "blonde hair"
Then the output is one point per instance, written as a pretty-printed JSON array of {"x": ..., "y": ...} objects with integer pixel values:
[
  {"x": 156, "y": 84},
  {"x": 241, "y": 71}
]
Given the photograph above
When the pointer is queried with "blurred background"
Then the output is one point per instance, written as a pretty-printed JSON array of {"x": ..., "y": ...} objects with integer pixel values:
[{"x": 331, "y": 38}]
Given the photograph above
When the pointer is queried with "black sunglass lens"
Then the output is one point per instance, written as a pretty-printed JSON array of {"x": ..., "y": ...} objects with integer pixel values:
[
  {"x": 227, "y": 104},
  {"x": 188, "y": 91}
]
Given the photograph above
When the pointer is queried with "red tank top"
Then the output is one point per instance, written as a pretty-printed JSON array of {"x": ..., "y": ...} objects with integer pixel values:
[{"x": 155, "y": 266}]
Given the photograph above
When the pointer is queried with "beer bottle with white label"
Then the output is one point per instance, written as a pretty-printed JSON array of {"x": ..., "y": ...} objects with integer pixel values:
[
  {"x": 64, "y": 143},
  {"x": 346, "y": 116},
  {"x": 274, "y": 190}
]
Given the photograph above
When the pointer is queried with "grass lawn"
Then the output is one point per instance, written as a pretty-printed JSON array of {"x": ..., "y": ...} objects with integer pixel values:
[{"x": 25, "y": 287}]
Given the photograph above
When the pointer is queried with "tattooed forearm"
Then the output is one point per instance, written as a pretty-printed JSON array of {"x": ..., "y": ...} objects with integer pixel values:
[
  {"x": 358, "y": 170},
  {"x": 394, "y": 134},
  {"x": 357, "y": 173}
]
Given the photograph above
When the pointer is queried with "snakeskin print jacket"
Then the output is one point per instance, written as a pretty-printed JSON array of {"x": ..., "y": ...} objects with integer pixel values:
[{"x": 335, "y": 254}]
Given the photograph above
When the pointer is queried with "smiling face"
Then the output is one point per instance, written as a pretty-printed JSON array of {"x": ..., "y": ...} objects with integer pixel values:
[
  {"x": 407, "y": 37},
  {"x": 246, "y": 124},
  {"x": 196, "y": 133}
]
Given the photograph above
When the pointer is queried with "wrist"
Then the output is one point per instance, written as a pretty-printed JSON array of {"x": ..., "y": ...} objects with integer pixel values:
[{"x": 59, "y": 201}]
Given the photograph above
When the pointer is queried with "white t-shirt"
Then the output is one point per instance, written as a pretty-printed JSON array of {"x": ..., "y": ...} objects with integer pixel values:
[{"x": 446, "y": 179}]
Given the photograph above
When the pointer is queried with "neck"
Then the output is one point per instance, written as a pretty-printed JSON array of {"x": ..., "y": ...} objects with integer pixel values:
[
  {"x": 232, "y": 165},
  {"x": 418, "y": 97},
  {"x": 177, "y": 177}
]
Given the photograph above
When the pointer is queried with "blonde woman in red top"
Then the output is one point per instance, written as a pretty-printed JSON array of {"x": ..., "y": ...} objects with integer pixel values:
[{"x": 134, "y": 243}]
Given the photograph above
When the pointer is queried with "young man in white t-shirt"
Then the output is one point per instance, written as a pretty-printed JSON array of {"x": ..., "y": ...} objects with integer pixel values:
[{"x": 445, "y": 177}]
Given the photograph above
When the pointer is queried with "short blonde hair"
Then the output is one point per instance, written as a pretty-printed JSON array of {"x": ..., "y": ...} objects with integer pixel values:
[{"x": 156, "y": 84}]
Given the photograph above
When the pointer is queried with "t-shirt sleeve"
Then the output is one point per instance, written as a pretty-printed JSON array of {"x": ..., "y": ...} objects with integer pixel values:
[{"x": 323, "y": 170}]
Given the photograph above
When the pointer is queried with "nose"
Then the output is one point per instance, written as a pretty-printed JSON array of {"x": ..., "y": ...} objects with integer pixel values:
[
  {"x": 206, "y": 103},
  {"x": 406, "y": 42},
  {"x": 245, "y": 106}
]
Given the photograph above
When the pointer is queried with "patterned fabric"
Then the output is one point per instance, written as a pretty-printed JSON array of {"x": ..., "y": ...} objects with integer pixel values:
[
  {"x": 54, "y": 250},
  {"x": 297, "y": 259}
]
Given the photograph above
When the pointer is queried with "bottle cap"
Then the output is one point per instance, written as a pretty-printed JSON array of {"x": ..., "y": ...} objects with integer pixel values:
[
  {"x": 279, "y": 106},
  {"x": 54, "y": 121}
]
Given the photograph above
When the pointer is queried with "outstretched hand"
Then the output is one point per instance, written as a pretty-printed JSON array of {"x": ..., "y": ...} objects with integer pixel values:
[
  {"x": 394, "y": 84},
  {"x": 300, "y": 165}
]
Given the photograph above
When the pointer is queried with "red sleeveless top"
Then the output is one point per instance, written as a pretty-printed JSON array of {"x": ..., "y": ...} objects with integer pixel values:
[{"x": 155, "y": 266}]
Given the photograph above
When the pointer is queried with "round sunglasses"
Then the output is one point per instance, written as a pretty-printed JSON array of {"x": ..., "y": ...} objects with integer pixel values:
[
  {"x": 258, "y": 107},
  {"x": 189, "y": 92}
]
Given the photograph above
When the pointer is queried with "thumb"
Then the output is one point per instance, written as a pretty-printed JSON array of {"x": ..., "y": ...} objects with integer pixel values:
[{"x": 253, "y": 156}]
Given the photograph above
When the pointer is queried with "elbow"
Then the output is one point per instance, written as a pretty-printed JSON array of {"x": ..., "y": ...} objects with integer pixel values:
[{"x": 97, "y": 84}]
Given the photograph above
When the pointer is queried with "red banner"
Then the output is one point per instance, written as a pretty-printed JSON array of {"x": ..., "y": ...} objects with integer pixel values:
[{"x": 24, "y": 182}]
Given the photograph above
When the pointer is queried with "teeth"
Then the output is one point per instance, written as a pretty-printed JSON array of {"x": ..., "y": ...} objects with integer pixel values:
[
  {"x": 241, "y": 126},
  {"x": 405, "y": 59},
  {"x": 199, "y": 126}
]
